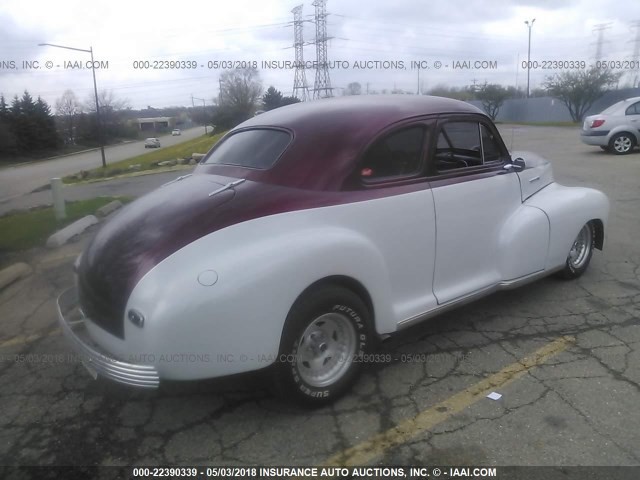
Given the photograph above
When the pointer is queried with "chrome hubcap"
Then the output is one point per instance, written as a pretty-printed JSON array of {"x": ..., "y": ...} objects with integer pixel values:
[
  {"x": 326, "y": 349},
  {"x": 622, "y": 144},
  {"x": 581, "y": 247}
]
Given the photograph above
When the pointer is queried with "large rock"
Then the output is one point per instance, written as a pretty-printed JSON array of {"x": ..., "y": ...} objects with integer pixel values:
[
  {"x": 13, "y": 273},
  {"x": 167, "y": 163},
  {"x": 198, "y": 156},
  {"x": 67, "y": 233}
]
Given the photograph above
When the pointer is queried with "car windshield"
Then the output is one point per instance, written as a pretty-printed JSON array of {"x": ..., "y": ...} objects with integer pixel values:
[{"x": 257, "y": 148}]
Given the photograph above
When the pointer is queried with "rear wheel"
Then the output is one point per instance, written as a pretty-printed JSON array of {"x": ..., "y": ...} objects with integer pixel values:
[
  {"x": 622, "y": 143},
  {"x": 326, "y": 335},
  {"x": 580, "y": 253}
]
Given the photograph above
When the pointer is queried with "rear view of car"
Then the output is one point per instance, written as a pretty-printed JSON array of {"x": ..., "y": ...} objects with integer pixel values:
[
  {"x": 616, "y": 129},
  {"x": 152, "y": 143},
  {"x": 176, "y": 132}
]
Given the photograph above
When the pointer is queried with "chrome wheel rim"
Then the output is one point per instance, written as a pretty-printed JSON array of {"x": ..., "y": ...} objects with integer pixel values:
[
  {"x": 581, "y": 247},
  {"x": 326, "y": 349},
  {"x": 622, "y": 144}
]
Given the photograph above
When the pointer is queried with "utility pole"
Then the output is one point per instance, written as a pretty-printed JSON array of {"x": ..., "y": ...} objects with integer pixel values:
[
  {"x": 219, "y": 92},
  {"x": 322, "y": 84},
  {"x": 600, "y": 28},
  {"x": 204, "y": 106},
  {"x": 530, "y": 25},
  {"x": 300, "y": 88}
]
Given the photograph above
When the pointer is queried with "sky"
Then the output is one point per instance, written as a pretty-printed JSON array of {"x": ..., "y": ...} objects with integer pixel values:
[{"x": 125, "y": 35}]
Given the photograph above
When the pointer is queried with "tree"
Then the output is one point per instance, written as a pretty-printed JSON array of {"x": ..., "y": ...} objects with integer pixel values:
[
  {"x": 113, "y": 123},
  {"x": 492, "y": 97},
  {"x": 451, "y": 92},
  {"x": 579, "y": 89},
  {"x": 272, "y": 99},
  {"x": 68, "y": 109},
  {"x": 354, "y": 88},
  {"x": 239, "y": 93},
  {"x": 289, "y": 101}
]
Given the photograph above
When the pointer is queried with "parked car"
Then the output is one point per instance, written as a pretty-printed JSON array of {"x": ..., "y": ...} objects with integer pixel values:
[
  {"x": 615, "y": 129},
  {"x": 176, "y": 132},
  {"x": 310, "y": 231},
  {"x": 152, "y": 143}
]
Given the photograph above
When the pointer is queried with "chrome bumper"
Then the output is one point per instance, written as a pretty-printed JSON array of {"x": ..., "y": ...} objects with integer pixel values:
[{"x": 97, "y": 362}]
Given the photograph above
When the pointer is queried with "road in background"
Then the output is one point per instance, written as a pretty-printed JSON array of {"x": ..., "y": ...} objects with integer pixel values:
[{"x": 22, "y": 179}]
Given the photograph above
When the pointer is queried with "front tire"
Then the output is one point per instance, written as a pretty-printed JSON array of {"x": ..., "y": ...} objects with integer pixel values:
[
  {"x": 580, "y": 253},
  {"x": 326, "y": 335},
  {"x": 622, "y": 143}
]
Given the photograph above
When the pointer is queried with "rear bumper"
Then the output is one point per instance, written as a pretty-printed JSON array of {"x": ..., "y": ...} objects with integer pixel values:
[
  {"x": 598, "y": 137},
  {"x": 92, "y": 356}
]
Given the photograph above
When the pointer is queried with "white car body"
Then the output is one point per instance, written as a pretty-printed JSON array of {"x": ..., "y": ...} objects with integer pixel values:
[
  {"x": 152, "y": 143},
  {"x": 616, "y": 129},
  {"x": 217, "y": 304}
]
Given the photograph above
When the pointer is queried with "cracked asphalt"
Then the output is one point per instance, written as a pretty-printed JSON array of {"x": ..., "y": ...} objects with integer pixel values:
[{"x": 576, "y": 407}]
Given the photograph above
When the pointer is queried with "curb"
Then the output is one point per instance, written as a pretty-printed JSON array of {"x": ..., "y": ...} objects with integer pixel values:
[
  {"x": 13, "y": 273},
  {"x": 177, "y": 168},
  {"x": 67, "y": 233}
]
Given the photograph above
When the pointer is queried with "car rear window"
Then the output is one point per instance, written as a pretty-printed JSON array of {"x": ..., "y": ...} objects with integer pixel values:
[{"x": 257, "y": 148}]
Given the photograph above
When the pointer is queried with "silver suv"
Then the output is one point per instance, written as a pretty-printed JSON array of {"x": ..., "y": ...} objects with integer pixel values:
[{"x": 616, "y": 129}]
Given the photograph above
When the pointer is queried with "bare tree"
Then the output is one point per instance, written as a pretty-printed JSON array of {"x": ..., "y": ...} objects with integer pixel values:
[
  {"x": 354, "y": 88},
  {"x": 240, "y": 91},
  {"x": 492, "y": 97},
  {"x": 68, "y": 108},
  {"x": 579, "y": 89}
]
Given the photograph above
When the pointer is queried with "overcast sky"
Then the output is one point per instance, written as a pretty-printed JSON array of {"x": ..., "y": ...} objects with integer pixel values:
[{"x": 122, "y": 32}]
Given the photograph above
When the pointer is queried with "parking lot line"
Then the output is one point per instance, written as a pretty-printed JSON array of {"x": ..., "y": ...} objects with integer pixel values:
[{"x": 376, "y": 446}]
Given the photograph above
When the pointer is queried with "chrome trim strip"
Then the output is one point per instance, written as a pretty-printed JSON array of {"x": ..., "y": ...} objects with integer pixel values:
[
  {"x": 458, "y": 302},
  {"x": 182, "y": 177},
  {"x": 145, "y": 376},
  {"x": 227, "y": 186}
]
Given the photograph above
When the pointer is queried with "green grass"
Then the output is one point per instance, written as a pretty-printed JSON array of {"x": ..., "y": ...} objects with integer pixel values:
[
  {"x": 148, "y": 161},
  {"x": 23, "y": 230}
]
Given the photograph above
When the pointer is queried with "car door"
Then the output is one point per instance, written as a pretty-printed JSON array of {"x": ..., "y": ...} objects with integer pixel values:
[
  {"x": 632, "y": 116},
  {"x": 473, "y": 196}
]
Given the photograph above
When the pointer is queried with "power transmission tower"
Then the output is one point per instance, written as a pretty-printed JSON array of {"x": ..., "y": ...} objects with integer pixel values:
[
  {"x": 322, "y": 86},
  {"x": 300, "y": 88},
  {"x": 600, "y": 28},
  {"x": 636, "y": 52}
]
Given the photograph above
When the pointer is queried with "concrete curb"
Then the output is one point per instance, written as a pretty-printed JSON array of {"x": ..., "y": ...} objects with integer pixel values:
[
  {"x": 108, "y": 208},
  {"x": 67, "y": 233},
  {"x": 142, "y": 173},
  {"x": 13, "y": 273}
]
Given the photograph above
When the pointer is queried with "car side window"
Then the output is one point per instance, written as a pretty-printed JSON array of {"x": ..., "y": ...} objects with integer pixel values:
[
  {"x": 464, "y": 144},
  {"x": 633, "y": 109},
  {"x": 458, "y": 146},
  {"x": 490, "y": 146},
  {"x": 398, "y": 154}
]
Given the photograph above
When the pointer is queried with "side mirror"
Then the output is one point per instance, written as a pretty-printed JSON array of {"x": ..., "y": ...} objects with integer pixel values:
[{"x": 516, "y": 165}]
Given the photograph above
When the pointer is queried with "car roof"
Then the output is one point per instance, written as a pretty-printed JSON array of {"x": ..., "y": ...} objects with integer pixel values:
[{"x": 329, "y": 134}]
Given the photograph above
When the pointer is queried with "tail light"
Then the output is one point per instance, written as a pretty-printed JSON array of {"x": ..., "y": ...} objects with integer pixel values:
[{"x": 597, "y": 123}]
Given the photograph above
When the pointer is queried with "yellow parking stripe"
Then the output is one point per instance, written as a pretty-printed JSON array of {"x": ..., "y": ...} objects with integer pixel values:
[{"x": 376, "y": 446}]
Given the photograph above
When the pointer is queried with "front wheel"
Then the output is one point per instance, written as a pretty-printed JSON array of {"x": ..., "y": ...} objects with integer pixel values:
[
  {"x": 580, "y": 253},
  {"x": 326, "y": 335},
  {"x": 622, "y": 143}
]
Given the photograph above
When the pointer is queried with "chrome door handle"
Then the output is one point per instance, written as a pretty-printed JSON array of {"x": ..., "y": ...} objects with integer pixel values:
[{"x": 531, "y": 180}]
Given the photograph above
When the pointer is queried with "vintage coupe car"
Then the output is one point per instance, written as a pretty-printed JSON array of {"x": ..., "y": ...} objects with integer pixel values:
[{"x": 310, "y": 231}]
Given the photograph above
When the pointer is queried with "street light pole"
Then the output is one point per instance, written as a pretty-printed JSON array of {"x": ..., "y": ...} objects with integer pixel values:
[
  {"x": 529, "y": 57},
  {"x": 95, "y": 91}
]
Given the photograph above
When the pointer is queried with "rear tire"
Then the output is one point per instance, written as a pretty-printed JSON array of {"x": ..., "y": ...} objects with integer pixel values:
[
  {"x": 580, "y": 254},
  {"x": 622, "y": 143},
  {"x": 326, "y": 335}
]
